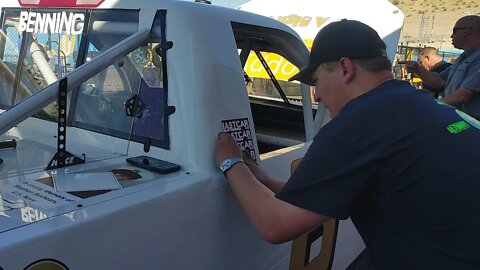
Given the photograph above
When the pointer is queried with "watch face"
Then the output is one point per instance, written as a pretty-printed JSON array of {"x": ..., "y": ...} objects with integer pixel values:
[{"x": 225, "y": 164}]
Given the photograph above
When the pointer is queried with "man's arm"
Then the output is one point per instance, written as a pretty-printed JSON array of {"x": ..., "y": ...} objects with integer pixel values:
[
  {"x": 433, "y": 79},
  {"x": 458, "y": 97},
  {"x": 275, "y": 220},
  {"x": 470, "y": 85},
  {"x": 274, "y": 185}
]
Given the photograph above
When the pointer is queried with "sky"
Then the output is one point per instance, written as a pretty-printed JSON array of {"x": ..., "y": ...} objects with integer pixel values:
[{"x": 228, "y": 3}]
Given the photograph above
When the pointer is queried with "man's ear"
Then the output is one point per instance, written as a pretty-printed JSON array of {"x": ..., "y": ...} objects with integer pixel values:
[
  {"x": 348, "y": 69},
  {"x": 468, "y": 31}
]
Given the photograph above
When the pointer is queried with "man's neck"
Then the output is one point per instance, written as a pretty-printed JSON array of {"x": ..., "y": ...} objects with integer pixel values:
[
  {"x": 436, "y": 63},
  {"x": 471, "y": 46},
  {"x": 371, "y": 81}
]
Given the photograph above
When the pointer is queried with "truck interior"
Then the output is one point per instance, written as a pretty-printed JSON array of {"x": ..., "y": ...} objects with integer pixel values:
[
  {"x": 122, "y": 97},
  {"x": 29, "y": 62}
]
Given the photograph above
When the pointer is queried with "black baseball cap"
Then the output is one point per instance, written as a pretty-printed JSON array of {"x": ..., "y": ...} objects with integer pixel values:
[{"x": 345, "y": 38}]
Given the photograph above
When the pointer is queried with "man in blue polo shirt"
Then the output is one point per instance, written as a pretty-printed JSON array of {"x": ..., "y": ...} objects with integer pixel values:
[
  {"x": 462, "y": 79},
  {"x": 402, "y": 165}
]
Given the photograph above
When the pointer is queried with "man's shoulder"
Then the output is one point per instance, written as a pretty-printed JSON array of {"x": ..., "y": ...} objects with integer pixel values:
[
  {"x": 391, "y": 96},
  {"x": 474, "y": 53},
  {"x": 440, "y": 66},
  {"x": 396, "y": 99},
  {"x": 383, "y": 95}
]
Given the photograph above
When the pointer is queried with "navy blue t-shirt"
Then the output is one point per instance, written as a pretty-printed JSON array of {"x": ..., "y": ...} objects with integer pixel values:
[{"x": 406, "y": 169}]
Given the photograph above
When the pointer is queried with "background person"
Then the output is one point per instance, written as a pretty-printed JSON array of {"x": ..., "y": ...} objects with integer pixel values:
[
  {"x": 462, "y": 79},
  {"x": 432, "y": 61},
  {"x": 399, "y": 71},
  {"x": 415, "y": 204}
]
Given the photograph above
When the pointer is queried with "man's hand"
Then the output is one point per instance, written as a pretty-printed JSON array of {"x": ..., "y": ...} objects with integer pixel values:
[
  {"x": 458, "y": 97},
  {"x": 431, "y": 78},
  {"x": 227, "y": 147},
  {"x": 411, "y": 66}
]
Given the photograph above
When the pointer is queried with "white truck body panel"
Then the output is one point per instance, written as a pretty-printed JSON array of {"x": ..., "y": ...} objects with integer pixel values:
[{"x": 188, "y": 219}]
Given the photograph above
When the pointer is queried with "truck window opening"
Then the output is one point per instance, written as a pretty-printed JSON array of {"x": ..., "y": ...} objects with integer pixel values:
[{"x": 276, "y": 104}]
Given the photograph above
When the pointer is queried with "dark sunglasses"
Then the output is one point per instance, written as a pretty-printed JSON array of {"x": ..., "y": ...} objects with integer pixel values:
[{"x": 455, "y": 29}]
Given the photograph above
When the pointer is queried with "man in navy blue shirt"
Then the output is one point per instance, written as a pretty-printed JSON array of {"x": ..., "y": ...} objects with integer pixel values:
[
  {"x": 402, "y": 165},
  {"x": 429, "y": 58}
]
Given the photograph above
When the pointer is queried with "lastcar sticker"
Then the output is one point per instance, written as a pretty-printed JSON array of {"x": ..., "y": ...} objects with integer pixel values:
[{"x": 240, "y": 130}]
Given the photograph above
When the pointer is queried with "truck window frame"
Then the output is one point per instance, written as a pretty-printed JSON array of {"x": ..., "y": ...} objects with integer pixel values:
[{"x": 263, "y": 39}]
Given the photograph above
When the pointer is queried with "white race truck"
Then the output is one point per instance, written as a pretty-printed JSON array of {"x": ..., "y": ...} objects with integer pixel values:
[{"x": 98, "y": 94}]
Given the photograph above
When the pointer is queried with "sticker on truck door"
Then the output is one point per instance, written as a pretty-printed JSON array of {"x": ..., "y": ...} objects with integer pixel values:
[{"x": 241, "y": 132}]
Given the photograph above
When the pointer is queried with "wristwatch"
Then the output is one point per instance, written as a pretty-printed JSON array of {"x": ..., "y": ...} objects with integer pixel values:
[{"x": 228, "y": 163}]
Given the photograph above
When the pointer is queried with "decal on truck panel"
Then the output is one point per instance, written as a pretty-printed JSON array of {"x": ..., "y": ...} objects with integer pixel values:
[
  {"x": 58, "y": 22},
  {"x": 37, "y": 195},
  {"x": 241, "y": 132},
  {"x": 295, "y": 20},
  {"x": 123, "y": 174},
  {"x": 46, "y": 264}
]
